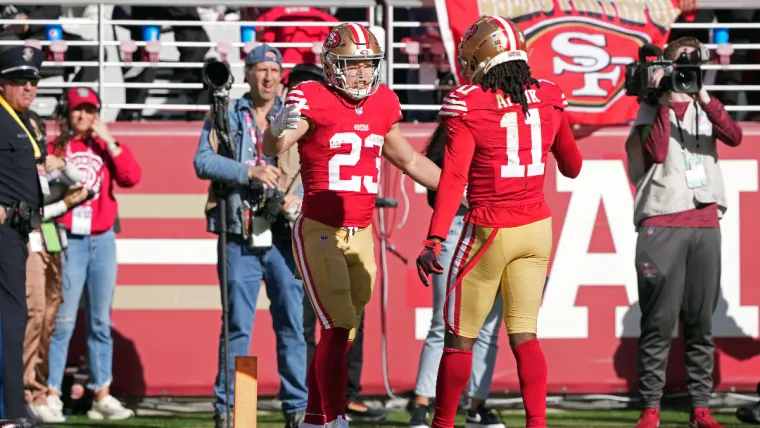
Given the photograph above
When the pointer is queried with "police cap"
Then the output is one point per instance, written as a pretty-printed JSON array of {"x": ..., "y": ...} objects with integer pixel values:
[{"x": 21, "y": 62}]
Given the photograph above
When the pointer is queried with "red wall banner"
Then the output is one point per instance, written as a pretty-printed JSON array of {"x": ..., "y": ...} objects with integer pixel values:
[
  {"x": 582, "y": 46},
  {"x": 167, "y": 317}
]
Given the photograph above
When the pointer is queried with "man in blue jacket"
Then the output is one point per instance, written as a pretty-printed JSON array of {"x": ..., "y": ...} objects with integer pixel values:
[{"x": 252, "y": 254}]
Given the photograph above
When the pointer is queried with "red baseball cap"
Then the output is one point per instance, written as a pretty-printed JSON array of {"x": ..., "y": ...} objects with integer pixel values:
[{"x": 80, "y": 96}]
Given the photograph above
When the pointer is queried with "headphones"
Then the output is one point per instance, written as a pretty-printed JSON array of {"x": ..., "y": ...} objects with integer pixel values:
[
  {"x": 303, "y": 72},
  {"x": 62, "y": 110}
]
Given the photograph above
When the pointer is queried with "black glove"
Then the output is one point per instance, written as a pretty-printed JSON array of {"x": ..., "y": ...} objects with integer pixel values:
[{"x": 427, "y": 261}]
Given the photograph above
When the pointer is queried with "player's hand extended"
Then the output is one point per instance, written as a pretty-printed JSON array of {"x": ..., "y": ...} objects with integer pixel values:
[
  {"x": 286, "y": 119},
  {"x": 427, "y": 261}
]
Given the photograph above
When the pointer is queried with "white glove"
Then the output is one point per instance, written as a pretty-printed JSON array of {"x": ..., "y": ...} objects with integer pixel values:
[
  {"x": 464, "y": 198},
  {"x": 286, "y": 119}
]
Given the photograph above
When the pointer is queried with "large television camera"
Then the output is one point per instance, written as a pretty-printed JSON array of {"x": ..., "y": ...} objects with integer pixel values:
[{"x": 682, "y": 75}]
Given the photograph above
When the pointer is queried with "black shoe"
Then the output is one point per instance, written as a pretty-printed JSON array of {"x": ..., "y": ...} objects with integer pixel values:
[
  {"x": 749, "y": 414},
  {"x": 483, "y": 417},
  {"x": 294, "y": 420},
  {"x": 356, "y": 410},
  {"x": 419, "y": 416}
]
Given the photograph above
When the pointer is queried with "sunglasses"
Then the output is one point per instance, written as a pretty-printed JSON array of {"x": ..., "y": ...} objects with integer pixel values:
[{"x": 23, "y": 82}]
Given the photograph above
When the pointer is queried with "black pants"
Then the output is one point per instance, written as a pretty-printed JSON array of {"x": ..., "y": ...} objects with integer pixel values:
[
  {"x": 355, "y": 354},
  {"x": 13, "y": 255},
  {"x": 678, "y": 271},
  {"x": 186, "y": 54}
]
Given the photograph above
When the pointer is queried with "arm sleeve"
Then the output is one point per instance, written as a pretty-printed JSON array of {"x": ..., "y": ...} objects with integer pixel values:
[
  {"x": 656, "y": 142},
  {"x": 725, "y": 128},
  {"x": 565, "y": 149},
  {"x": 460, "y": 148},
  {"x": 212, "y": 166},
  {"x": 127, "y": 172},
  {"x": 54, "y": 210},
  {"x": 301, "y": 94}
]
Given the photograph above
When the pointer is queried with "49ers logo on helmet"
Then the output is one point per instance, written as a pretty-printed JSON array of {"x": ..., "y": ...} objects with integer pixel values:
[
  {"x": 333, "y": 40},
  {"x": 470, "y": 31},
  {"x": 588, "y": 59}
]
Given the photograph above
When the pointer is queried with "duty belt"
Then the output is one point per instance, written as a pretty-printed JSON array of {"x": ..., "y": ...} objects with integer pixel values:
[{"x": 21, "y": 217}]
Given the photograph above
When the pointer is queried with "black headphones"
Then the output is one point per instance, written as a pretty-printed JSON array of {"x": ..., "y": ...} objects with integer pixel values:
[
  {"x": 304, "y": 72},
  {"x": 62, "y": 110}
]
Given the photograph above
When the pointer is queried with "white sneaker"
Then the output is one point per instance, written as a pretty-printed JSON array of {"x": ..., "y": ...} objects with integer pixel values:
[
  {"x": 338, "y": 423},
  {"x": 44, "y": 413},
  {"x": 109, "y": 408},
  {"x": 52, "y": 411}
]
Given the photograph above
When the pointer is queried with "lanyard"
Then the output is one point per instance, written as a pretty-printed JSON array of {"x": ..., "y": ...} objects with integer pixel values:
[
  {"x": 37, "y": 153},
  {"x": 252, "y": 131}
]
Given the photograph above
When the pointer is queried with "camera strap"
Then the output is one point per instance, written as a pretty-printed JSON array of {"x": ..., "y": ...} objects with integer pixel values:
[{"x": 255, "y": 137}]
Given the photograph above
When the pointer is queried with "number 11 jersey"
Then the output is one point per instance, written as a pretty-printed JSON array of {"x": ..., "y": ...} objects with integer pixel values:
[
  {"x": 340, "y": 157},
  {"x": 500, "y": 153}
]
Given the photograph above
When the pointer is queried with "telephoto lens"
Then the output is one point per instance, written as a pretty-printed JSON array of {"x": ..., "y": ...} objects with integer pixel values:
[{"x": 216, "y": 74}]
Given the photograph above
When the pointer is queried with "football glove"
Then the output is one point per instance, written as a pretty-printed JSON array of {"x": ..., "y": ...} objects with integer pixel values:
[
  {"x": 427, "y": 261},
  {"x": 286, "y": 119}
]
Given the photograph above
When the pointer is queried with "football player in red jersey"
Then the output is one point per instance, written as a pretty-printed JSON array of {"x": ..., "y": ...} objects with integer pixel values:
[
  {"x": 500, "y": 129},
  {"x": 342, "y": 129}
]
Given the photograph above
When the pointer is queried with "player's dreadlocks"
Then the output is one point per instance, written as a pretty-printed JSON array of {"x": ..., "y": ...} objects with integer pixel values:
[{"x": 513, "y": 78}]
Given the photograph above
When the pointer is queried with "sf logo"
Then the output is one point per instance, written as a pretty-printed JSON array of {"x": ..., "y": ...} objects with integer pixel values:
[{"x": 333, "y": 39}]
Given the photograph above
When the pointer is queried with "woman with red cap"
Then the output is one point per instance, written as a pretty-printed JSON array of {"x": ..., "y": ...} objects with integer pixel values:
[{"x": 90, "y": 261}]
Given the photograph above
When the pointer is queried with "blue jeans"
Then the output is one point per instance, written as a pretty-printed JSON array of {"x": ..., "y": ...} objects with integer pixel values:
[
  {"x": 88, "y": 263},
  {"x": 486, "y": 345},
  {"x": 245, "y": 270}
]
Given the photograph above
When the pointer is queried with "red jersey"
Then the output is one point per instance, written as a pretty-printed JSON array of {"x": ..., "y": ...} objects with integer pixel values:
[
  {"x": 295, "y": 34},
  {"x": 501, "y": 152},
  {"x": 340, "y": 157},
  {"x": 101, "y": 174}
]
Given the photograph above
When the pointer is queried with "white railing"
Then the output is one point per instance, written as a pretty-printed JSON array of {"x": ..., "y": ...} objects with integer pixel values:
[
  {"x": 395, "y": 54},
  {"x": 394, "y": 48}
]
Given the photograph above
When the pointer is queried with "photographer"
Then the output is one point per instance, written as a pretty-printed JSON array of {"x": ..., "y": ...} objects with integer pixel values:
[
  {"x": 252, "y": 254},
  {"x": 680, "y": 197}
]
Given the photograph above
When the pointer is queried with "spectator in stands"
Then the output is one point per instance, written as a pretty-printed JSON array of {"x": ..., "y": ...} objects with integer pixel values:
[
  {"x": 296, "y": 34},
  {"x": 90, "y": 260},
  {"x": 691, "y": 13},
  {"x": 486, "y": 345},
  {"x": 24, "y": 31},
  {"x": 289, "y": 164},
  {"x": 251, "y": 259},
  {"x": 680, "y": 197},
  {"x": 183, "y": 34},
  {"x": 43, "y": 279}
]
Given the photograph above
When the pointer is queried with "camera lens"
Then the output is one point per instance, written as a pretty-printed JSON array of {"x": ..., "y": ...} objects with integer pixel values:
[
  {"x": 216, "y": 74},
  {"x": 686, "y": 81}
]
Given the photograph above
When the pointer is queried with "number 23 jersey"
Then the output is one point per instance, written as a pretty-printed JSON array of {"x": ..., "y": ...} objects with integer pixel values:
[{"x": 340, "y": 157}]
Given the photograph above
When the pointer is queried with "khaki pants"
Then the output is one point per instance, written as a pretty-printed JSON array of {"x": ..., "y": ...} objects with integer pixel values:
[{"x": 43, "y": 296}]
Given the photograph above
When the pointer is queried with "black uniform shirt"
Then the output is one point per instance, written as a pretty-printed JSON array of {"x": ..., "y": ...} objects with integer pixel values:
[{"x": 19, "y": 180}]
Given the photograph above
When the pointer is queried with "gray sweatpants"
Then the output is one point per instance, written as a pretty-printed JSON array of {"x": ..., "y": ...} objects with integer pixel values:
[{"x": 678, "y": 272}]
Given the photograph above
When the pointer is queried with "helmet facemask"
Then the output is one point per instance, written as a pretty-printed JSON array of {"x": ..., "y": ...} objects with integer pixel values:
[{"x": 339, "y": 73}]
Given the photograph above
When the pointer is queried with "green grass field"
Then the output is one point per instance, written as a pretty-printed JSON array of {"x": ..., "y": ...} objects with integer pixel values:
[{"x": 513, "y": 419}]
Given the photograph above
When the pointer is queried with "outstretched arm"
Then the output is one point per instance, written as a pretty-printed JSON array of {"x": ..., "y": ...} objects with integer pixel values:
[
  {"x": 273, "y": 146},
  {"x": 403, "y": 156}
]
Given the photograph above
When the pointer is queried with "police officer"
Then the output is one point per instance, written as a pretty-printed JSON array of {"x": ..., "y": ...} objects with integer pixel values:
[{"x": 23, "y": 183}]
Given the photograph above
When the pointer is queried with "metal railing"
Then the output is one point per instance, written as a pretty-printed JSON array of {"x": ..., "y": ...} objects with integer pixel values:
[
  {"x": 394, "y": 51},
  {"x": 393, "y": 54}
]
